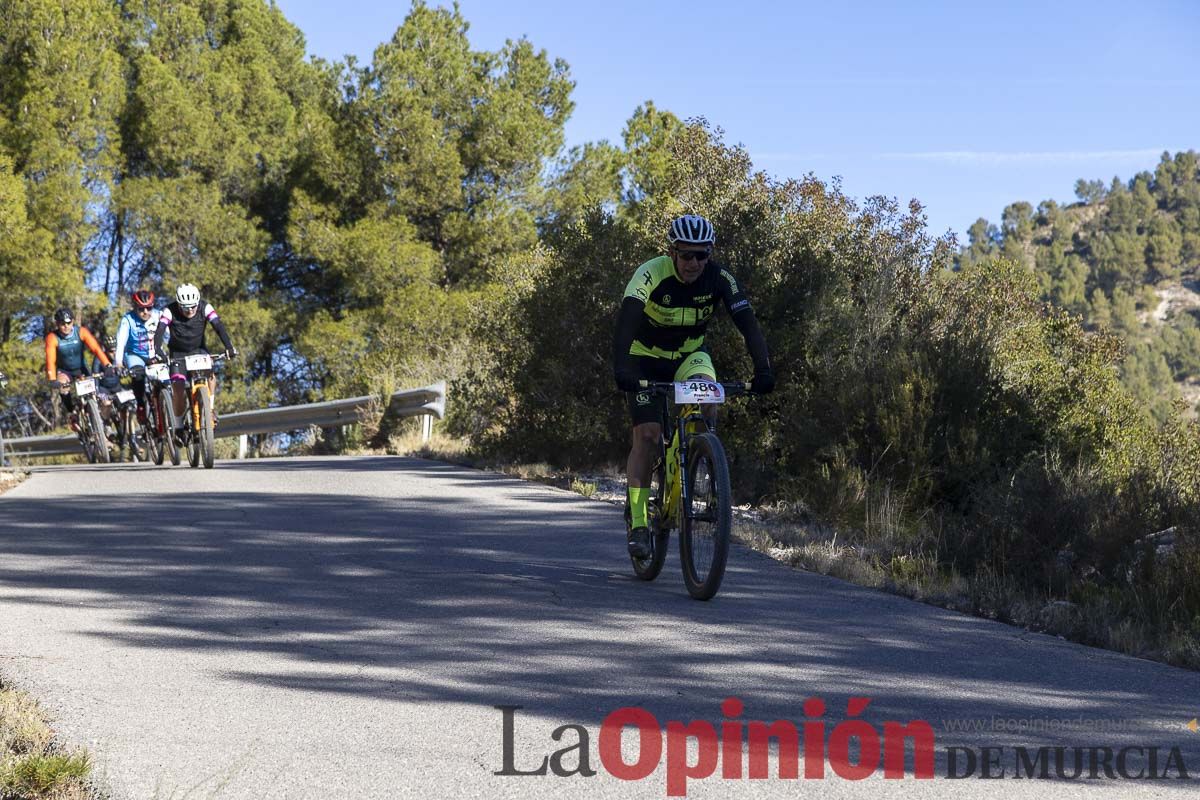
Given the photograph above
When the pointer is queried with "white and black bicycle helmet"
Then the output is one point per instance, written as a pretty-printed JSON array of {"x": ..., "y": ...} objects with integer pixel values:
[
  {"x": 187, "y": 295},
  {"x": 691, "y": 229}
]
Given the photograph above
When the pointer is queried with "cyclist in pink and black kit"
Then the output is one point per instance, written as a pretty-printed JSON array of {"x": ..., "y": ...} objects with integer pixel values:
[{"x": 186, "y": 319}]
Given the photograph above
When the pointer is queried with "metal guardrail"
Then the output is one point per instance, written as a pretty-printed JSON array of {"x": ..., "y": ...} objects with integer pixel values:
[
  {"x": 52, "y": 445},
  {"x": 429, "y": 401}
]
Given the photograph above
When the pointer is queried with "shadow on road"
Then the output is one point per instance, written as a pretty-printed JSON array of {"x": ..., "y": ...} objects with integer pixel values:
[{"x": 468, "y": 592}]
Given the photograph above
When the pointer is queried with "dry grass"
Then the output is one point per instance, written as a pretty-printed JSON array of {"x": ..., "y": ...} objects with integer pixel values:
[
  {"x": 440, "y": 447},
  {"x": 32, "y": 765},
  {"x": 10, "y": 478}
]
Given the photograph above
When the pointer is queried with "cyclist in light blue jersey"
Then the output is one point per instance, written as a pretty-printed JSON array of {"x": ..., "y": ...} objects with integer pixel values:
[{"x": 135, "y": 342}]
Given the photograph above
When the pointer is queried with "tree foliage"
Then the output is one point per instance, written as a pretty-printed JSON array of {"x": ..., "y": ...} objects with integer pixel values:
[
  {"x": 367, "y": 227},
  {"x": 1114, "y": 258}
]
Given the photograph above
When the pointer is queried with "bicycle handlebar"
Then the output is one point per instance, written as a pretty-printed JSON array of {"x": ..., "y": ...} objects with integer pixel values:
[
  {"x": 731, "y": 388},
  {"x": 216, "y": 357}
]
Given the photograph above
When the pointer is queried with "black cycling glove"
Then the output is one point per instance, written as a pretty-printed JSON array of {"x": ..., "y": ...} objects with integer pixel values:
[
  {"x": 627, "y": 381},
  {"x": 763, "y": 382}
]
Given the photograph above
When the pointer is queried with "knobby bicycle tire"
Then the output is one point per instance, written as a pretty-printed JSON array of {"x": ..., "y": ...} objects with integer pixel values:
[
  {"x": 128, "y": 424},
  {"x": 85, "y": 439},
  {"x": 99, "y": 440},
  {"x": 166, "y": 399},
  {"x": 206, "y": 427},
  {"x": 705, "y": 551},
  {"x": 155, "y": 447},
  {"x": 83, "y": 424},
  {"x": 648, "y": 568},
  {"x": 193, "y": 439}
]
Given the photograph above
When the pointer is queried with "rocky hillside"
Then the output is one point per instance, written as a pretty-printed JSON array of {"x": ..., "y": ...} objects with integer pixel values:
[{"x": 1126, "y": 259}]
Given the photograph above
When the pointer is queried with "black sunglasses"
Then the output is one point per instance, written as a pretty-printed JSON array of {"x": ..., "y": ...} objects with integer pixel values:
[{"x": 693, "y": 255}]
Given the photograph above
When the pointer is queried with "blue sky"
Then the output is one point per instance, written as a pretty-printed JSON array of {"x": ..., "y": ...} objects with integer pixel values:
[{"x": 964, "y": 106}]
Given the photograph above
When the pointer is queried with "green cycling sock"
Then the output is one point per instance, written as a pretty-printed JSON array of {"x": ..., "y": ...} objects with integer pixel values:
[{"x": 638, "y": 495}]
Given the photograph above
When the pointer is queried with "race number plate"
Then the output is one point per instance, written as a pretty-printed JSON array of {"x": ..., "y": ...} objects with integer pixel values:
[
  {"x": 699, "y": 392},
  {"x": 125, "y": 396},
  {"x": 85, "y": 387},
  {"x": 158, "y": 372},
  {"x": 198, "y": 361}
]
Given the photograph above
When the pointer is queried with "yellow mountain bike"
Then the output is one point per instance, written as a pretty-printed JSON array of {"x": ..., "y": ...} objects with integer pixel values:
[
  {"x": 689, "y": 489},
  {"x": 197, "y": 432}
]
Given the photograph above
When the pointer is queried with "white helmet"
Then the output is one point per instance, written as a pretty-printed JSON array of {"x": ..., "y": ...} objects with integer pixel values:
[
  {"x": 691, "y": 229},
  {"x": 187, "y": 295}
]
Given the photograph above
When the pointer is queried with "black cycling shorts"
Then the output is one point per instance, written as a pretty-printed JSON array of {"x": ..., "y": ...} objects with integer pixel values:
[{"x": 646, "y": 407}]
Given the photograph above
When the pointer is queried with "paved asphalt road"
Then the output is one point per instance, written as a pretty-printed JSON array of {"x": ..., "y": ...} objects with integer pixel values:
[{"x": 344, "y": 627}]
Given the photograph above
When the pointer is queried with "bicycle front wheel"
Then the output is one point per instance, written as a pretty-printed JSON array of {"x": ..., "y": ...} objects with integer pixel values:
[
  {"x": 151, "y": 431},
  {"x": 85, "y": 440},
  {"x": 207, "y": 445},
  {"x": 96, "y": 423},
  {"x": 168, "y": 421},
  {"x": 193, "y": 431},
  {"x": 707, "y": 518}
]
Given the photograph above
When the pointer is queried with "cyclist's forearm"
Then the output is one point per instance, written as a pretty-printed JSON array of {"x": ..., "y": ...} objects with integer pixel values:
[
  {"x": 756, "y": 343},
  {"x": 122, "y": 340},
  {"x": 90, "y": 342},
  {"x": 160, "y": 334},
  {"x": 627, "y": 324},
  {"x": 51, "y": 358},
  {"x": 219, "y": 327}
]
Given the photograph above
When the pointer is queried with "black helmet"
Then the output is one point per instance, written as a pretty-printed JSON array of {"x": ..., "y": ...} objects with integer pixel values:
[
  {"x": 110, "y": 342},
  {"x": 63, "y": 316}
]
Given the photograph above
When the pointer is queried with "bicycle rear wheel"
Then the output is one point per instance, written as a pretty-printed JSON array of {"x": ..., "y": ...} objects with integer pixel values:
[
  {"x": 707, "y": 518},
  {"x": 648, "y": 568}
]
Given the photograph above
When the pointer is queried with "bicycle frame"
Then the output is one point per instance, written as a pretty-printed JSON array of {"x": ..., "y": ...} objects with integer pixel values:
[
  {"x": 675, "y": 454},
  {"x": 195, "y": 379},
  {"x": 154, "y": 399},
  {"x": 693, "y": 449},
  {"x": 686, "y": 421}
]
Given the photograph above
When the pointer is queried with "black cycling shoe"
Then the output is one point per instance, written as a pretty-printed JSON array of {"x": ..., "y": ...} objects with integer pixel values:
[{"x": 639, "y": 542}]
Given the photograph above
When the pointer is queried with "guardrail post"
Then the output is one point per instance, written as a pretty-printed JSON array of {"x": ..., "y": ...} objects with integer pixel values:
[
  {"x": 2, "y": 461},
  {"x": 426, "y": 427},
  {"x": 243, "y": 441}
]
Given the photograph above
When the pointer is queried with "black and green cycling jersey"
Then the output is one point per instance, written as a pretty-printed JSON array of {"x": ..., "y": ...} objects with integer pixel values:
[{"x": 676, "y": 314}]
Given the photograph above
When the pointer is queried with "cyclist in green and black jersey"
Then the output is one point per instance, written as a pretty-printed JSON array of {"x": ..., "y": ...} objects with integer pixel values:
[{"x": 660, "y": 337}]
